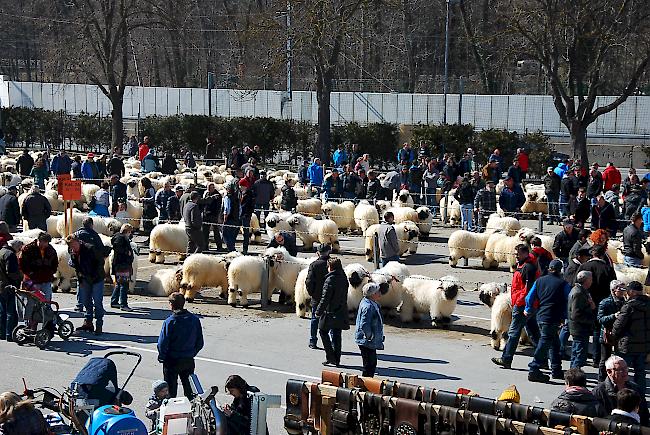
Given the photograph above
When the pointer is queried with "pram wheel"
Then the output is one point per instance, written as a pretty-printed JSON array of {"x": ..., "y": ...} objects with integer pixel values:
[
  {"x": 42, "y": 338},
  {"x": 66, "y": 329},
  {"x": 19, "y": 335}
]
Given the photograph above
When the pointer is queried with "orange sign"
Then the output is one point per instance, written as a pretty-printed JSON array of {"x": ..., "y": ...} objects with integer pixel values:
[
  {"x": 71, "y": 190},
  {"x": 62, "y": 178}
]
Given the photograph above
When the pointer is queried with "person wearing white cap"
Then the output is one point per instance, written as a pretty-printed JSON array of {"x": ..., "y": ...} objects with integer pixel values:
[{"x": 369, "y": 330}]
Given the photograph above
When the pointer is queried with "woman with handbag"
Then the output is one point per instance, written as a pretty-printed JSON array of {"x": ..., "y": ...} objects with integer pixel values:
[
  {"x": 332, "y": 311},
  {"x": 122, "y": 267},
  {"x": 608, "y": 311}
]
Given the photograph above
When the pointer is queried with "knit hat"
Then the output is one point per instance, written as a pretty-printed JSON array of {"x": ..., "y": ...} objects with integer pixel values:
[
  {"x": 510, "y": 394},
  {"x": 635, "y": 286},
  {"x": 370, "y": 289},
  {"x": 158, "y": 385}
]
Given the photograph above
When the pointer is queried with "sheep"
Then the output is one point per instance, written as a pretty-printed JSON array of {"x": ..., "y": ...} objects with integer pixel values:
[
  {"x": 169, "y": 238},
  {"x": 276, "y": 222},
  {"x": 615, "y": 252},
  {"x": 65, "y": 273},
  {"x": 449, "y": 205},
  {"x": 285, "y": 270},
  {"x": 311, "y": 230},
  {"x": 341, "y": 213},
  {"x": 244, "y": 277},
  {"x": 393, "y": 275},
  {"x": 53, "y": 198},
  {"x": 9, "y": 179},
  {"x": 164, "y": 282},
  {"x": 500, "y": 248},
  {"x": 487, "y": 292},
  {"x": 358, "y": 276},
  {"x": 497, "y": 296},
  {"x": 628, "y": 274},
  {"x": 403, "y": 199},
  {"x": 255, "y": 233},
  {"x": 309, "y": 207},
  {"x": 134, "y": 212},
  {"x": 382, "y": 206},
  {"x": 365, "y": 215},
  {"x": 424, "y": 221},
  {"x": 403, "y": 214},
  {"x": 536, "y": 201},
  {"x": 51, "y": 226},
  {"x": 73, "y": 224},
  {"x": 407, "y": 237},
  {"x": 88, "y": 191},
  {"x": 202, "y": 270},
  {"x": 508, "y": 224},
  {"x": 466, "y": 244},
  {"x": 436, "y": 297},
  {"x": 301, "y": 297}
]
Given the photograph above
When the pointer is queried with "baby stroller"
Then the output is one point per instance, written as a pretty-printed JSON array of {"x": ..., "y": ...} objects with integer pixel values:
[{"x": 40, "y": 319}]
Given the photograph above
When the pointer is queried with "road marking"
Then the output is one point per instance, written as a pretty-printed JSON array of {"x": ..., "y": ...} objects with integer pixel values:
[
  {"x": 210, "y": 360},
  {"x": 28, "y": 358},
  {"x": 472, "y": 317}
]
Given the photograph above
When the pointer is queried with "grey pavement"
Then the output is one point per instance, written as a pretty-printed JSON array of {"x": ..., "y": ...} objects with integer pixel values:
[{"x": 267, "y": 347}]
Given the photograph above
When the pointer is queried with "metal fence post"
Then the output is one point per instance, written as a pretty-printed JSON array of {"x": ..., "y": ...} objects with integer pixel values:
[
  {"x": 446, "y": 209},
  {"x": 264, "y": 291},
  {"x": 540, "y": 222},
  {"x": 375, "y": 244}
]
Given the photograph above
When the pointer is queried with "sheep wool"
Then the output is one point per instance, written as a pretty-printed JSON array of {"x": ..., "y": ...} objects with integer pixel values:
[
  {"x": 302, "y": 298},
  {"x": 164, "y": 282},
  {"x": 167, "y": 238},
  {"x": 365, "y": 215},
  {"x": 309, "y": 207},
  {"x": 244, "y": 278},
  {"x": 500, "y": 248},
  {"x": 392, "y": 275},
  {"x": 358, "y": 276},
  {"x": 276, "y": 222},
  {"x": 202, "y": 270},
  {"x": 341, "y": 213},
  {"x": 311, "y": 230},
  {"x": 424, "y": 221},
  {"x": 466, "y": 244},
  {"x": 286, "y": 268},
  {"x": 403, "y": 199},
  {"x": 423, "y": 295},
  {"x": 407, "y": 237}
]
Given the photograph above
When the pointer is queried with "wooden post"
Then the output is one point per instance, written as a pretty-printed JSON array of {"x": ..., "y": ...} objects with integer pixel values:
[
  {"x": 264, "y": 291},
  {"x": 65, "y": 216},
  {"x": 326, "y": 415}
]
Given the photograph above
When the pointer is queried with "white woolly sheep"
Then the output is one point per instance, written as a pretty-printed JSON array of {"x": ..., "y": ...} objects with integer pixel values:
[
  {"x": 393, "y": 275},
  {"x": 500, "y": 248},
  {"x": 466, "y": 244},
  {"x": 424, "y": 221},
  {"x": 64, "y": 273},
  {"x": 403, "y": 214},
  {"x": 452, "y": 210},
  {"x": 437, "y": 297},
  {"x": 497, "y": 296},
  {"x": 88, "y": 191},
  {"x": 202, "y": 270},
  {"x": 53, "y": 198},
  {"x": 341, "y": 213},
  {"x": 276, "y": 222},
  {"x": 301, "y": 297},
  {"x": 358, "y": 276},
  {"x": 164, "y": 282},
  {"x": 309, "y": 207},
  {"x": 244, "y": 277},
  {"x": 628, "y": 274},
  {"x": 508, "y": 224},
  {"x": 487, "y": 292},
  {"x": 403, "y": 199},
  {"x": 536, "y": 201},
  {"x": 284, "y": 273},
  {"x": 407, "y": 237},
  {"x": 167, "y": 238},
  {"x": 365, "y": 215},
  {"x": 311, "y": 230},
  {"x": 382, "y": 206}
]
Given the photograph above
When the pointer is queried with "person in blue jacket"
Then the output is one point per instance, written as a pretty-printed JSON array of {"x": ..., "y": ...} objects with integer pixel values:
[
  {"x": 645, "y": 212},
  {"x": 369, "y": 330},
  {"x": 512, "y": 197},
  {"x": 61, "y": 163},
  {"x": 89, "y": 169},
  {"x": 333, "y": 185},
  {"x": 340, "y": 157},
  {"x": 315, "y": 174},
  {"x": 405, "y": 155},
  {"x": 180, "y": 340}
]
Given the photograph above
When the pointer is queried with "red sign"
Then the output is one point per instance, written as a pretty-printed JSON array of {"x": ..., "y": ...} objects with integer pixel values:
[
  {"x": 71, "y": 190},
  {"x": 62, "y": 178}
]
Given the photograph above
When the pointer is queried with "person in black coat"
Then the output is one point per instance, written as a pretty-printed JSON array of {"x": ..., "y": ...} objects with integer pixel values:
[
  {"x": 115, "y": 166},
  {"x": 564, "y": 241},
  {"x": 238, "y": 414},
  {"x": 314, "y": 285},
  {"x": 603, "y": 216},
  {"x": 576, "y": 398},
  {"x": 628, "y": 404},
  {"x": 289, "y": 200},
  {"x": 118, "y": 193},
  {"x": 169, "y": 165},
  {"x": 332, "y": 311},
  {"x": 285, "y": 240},
  {"x": 9, "y": 209},
  {"x": 211, "y": 213},
  {"x": 582, "y": 208},
  {"x": 122, "y": 267},
  {"x": 24, "y": 163}
]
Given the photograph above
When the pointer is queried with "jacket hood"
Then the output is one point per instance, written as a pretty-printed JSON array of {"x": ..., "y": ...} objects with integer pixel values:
[
  {"x": 578, "y": 395},
  {"x": 641, "y": 303}
]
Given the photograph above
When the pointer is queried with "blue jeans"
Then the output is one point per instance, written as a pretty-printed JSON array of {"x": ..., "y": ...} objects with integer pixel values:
[
  {"x": 230, "y": 236},
  {"x": 596, "y": 342},
  {"x": 8, "y": 316},
  {"x": 564, "y": 206},
  {"x": 93, "y": 299},
  {"x": 349, "y": 195},
  {"x": 120, "y": 292},
  {"x": 553, "y": 208},
  {"x": 258, "y": 211},
  {"x": 430, "y": 199},
  {"x": 564, "y": 338},
  {"x": 313, "y": 324},
  {"x": 385, "y": 261},
  {"x": 46, "y": 289},
  {"x": 548, "y": 345},
  {"x": 579, "y": 351},
  {"x": 632, "y": 261},
  {"x": 246, "y": 230},
  {"x": 519, "y": 322},
  {"x": 637, "y": 362},
  {"x": 466, "y": 217}
]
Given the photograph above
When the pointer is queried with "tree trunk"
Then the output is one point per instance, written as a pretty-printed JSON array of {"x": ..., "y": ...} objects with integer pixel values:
[
  {"x": 322, "y": 149},
  {"x": 117, "y": 130},
  {"x": 579, "y": 142}
]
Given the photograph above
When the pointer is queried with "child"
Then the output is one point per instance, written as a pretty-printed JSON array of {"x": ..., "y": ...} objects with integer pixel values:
[
  {"x": 542, "y": 255},
  {"x": 121, "y": 214},
  {"x": 160, "y": 394}
]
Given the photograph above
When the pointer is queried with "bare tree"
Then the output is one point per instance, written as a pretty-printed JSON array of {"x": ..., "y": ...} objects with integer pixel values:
[
  {"x": 102, "y": 50},
  {"x": 577, "y": 43}
]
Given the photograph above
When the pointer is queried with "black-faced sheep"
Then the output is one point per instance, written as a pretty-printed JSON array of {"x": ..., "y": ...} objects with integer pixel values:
[{"x": 436, "y": 297}]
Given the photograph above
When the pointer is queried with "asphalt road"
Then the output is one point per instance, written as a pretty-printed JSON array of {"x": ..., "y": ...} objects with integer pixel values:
[{"x": 268, "y": 347}]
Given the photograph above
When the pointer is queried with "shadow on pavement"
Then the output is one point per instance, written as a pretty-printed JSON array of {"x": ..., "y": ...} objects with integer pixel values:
[
  {"x": 77, "y": 346},
  {"x": 400, "y": 358},
  {"x": 139, "y": 313},
  {"x": 400, "y": 373},
  {"x": 424, "y": 259}
]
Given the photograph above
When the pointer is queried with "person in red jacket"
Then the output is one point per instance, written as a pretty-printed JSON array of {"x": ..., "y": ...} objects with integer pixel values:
[
  {"x": 522, "y": 158},
  {"x": 611, "y": 176},
  {"x": 522, "y": 281},
  {"x": 143, "y": 148},
  {"x": 39, "y": 262}
]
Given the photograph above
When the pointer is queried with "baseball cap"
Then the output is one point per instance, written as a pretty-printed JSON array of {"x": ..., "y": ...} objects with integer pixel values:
[
  {"x": 635, "y": 286},
  {"x": 90, "y": 155},
  {"x": 324, "y": 248},
  {"x": 179, "y": 187},
  {"x": 556, "y": 265},
  {"x": 567, "y": 221}
]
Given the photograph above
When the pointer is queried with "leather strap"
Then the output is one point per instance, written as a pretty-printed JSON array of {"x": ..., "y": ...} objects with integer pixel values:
[
  {"x": 430, "y": 417},
  {"x": 482, "y": 405},
  {"x": 332, "y": 377},
  {"x": 557, "y": 418},
  {"x": 388, "y": 388},
  {"x": 373, "y": 414},
  {"x": 603, "y": 424},
  {"x": 448, "y": 416},
  {"x": 502, "y": 409},
  {"x": 537, "y": 416},
  {"x": 487, "y": 424},
  {"x": 463, "y": 401},
  {"x": 372, "y": 385},
  {"x": 315, "y": 406},
  {"x": 531, "y": 429},
  {"x": 446, "y": 398},
  {"x": 428, "y": 394},
  {"x": 408, "y": 391},
  {"x": 297, "y": 397},
  {"x": 519, "y": 412},
  {"x": 407, "y": 421}
]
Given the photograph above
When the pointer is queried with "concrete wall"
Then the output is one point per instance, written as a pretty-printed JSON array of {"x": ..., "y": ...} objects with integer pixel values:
[{"x": 512, "y": 112}]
